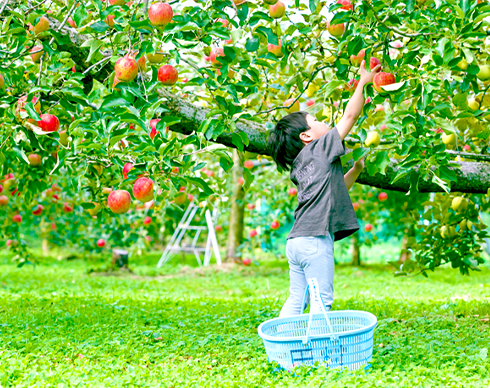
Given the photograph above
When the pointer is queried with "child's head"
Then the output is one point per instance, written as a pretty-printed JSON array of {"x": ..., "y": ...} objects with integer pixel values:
[{"x": 291, "y": 134}]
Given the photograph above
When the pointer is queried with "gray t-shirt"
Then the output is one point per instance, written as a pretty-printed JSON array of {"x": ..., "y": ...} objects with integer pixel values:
[{"x": 324, "y": 204}]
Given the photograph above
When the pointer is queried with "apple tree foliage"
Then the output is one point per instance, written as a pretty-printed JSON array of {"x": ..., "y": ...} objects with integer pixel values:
[{"x": 437, "y": 51}]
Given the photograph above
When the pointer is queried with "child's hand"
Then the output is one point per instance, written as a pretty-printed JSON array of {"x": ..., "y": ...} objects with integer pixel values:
[
  {"x": 359, "y": 165},
  {"x": 367, "y": 77}
]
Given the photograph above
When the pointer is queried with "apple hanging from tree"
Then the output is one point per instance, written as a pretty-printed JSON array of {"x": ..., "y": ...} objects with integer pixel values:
[
  {"x": 127, "y": 167},
  {"x": 49, "y": 123},
  {"x": 310, "y": 102},
  {"x": 250, "y": 206},
  {"x": 109, "y": 20},
  {"x": 147, "y": 220},
  {"x": 336, "y": 30},
  {"x": 119, "y": 201},
  {"x": 101, "y": 243},
  {"x": 275, "y": 49},
  {"x": 143, "y": 189},
  {"x": 67, "y": 208},
  {"x": 38, "y": 210},
  {"x": 41, "y": 26},
  {"x": 154, "y": 58},
  {"x": 241, "y": 181},
  {"x": 34, "y": 160},
  {"x": 294, "y": 107},
  {"x": 275, "y": 225},
  {"x": 215, "y": 53},
  {"x": 246, "y": 261},
  {"x": 368, "y": 227},
  {"x": 292, "y": 191},
  {"x": 36, "y": 54},
  {"x": 373, "y": 62},
  {"x": 253, "y": 233},
  {"x": 356, "y": 206},
  {"x": 277, "y": 10},
  {"x": 4, "y": 200},
  {"x": 126, "y": 68},
  {"x": 346, "y": 5},
  {"x": 160, "y": 14},
  {"x": 248, "y": 164},
  {"x": 357, "y": 59},
  {"x": 17, "y": 218},
  {"x": 218, "y": 228},
  {"x": 382, "y": 196},
  {"x": 168, "y": 75},
  {"x": 372, "y": 139}
]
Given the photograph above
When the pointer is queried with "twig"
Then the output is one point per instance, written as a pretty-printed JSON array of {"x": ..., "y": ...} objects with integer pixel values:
[
  {"x": 297, "y": 98},
  {"x": 91, "y": 67},
  {"x": 3, "y": 6},
  {"x": 34, "y": 6}
]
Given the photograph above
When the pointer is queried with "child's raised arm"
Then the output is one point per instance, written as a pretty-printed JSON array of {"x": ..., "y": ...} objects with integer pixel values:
[{"x": 355, "y": 104}]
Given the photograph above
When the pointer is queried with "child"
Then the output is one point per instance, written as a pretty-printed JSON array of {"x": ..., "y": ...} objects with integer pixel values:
[{"x": 311, "y": 150}]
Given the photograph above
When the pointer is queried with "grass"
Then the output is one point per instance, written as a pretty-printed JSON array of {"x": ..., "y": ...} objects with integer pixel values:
[{"x": 182, "y": 326}]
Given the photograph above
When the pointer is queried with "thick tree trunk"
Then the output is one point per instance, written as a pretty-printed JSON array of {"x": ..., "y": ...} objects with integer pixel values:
[
  {"x": 45, "y": 246},
  {"x": 356, "y": 251},
  {"x": 237, "y": 212},
  {"x": 405, "y": 253}
]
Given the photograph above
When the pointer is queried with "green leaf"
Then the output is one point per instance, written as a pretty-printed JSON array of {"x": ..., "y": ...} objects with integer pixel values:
[
  {"x": 32, "y": 112},
  {"x": 252, "y": 45},
  {"x": 271, "y": 37},
  {"x": 331, "y": 86},
  {"x": 201, "y": 184},
  {"x": 237, "y": 141}
]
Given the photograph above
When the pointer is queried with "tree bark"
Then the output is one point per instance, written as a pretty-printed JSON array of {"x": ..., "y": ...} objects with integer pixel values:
[
  {"x": 356, "y": 251},
  {"x": 237, "y": 211},
  {"x": 405, "y": 253}
]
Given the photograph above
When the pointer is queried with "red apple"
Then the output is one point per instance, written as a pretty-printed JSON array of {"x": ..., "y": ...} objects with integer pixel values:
[
  {"x": 373, "y": 62},
  {"x": 117, "y": 2},
  {"x": 109, "y": 20},
  {"x": 467, "y": 148},
  {"x": 127, "y": 167},
  {"x": 218, "y": 228},
  {"x": 383, "y": 127},
  {"x": 175, "y": 170},
  {"x": 310, "y": 102},
  {"x": 126, "y": 68},
  {"x": 34, "y": 160},
  {"x": 379, "y": 108},
  {"x": 382, "y": 196},
  {"x": 224, "y": 22},
  {"x": 21, "y": 103},
  {"x": 246, "y": 261},
  {"x": 336, "y": 30},
  {"x": 147, "y": 220},
  {"x": 250, "y": 206},
  {"x": 182, "y": 189},
  {"x": 352, "y": 85},
  {"x": 241, "y": 181},
  {"x": 357, "y": 59},
  {"x": 277, "y": 10},
  {"x": 4, "y": 200},
  {"x": 368, "y": 100},
  {"x": 160, "y": 14},
  {"x": 17, "y": 218},
  {"x": 276, "y": 50},
  {"x": 216, "y": 52},
  {"x": 168, "y": 75},
  {"x": 67, "y": 208},
  {"x": 36, "y": 56},
  {"x": 41, "y": 26},
  {"x": 119, "y": 201},
  {"x": 292, "y": 191},
  {"x": 49, "y": 123},
  {"x": 368, "y": 227},
  {"x": 248, "y": 164},
  {"x": 153, "y": 126},
  {"x": 346, "y": 5},
  {"x": 275, "y": 225},
  {"x": 190, "y": 197},
  {"x": 38, "y": 210},
  {"x": 382, "y": 79},
  {"x": 356, "y": 206},
  {"x": 101, "y": 243},
  {"x": 143, "y": 189},
  {"x": 72, "y": 23},
  {"x": 210, "y": 173},
  {"x": 253, "y": 233}
]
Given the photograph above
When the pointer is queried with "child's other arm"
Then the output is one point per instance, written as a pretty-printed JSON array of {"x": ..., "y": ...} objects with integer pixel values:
[
  {"x": 355, "y": 104},
  {"x": 353, "y": 173}
]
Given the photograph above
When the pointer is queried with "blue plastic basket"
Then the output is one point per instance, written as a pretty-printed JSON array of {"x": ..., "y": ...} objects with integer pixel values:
[{"x": 338, "y": 339}]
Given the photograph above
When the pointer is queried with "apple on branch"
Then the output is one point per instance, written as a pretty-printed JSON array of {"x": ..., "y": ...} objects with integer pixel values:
[
  {"x": 126, "y": 68},
  {"x": 160, "y": 14},
  {"x": 168, "y": 75},
  {"x": 119, "y": 201}
]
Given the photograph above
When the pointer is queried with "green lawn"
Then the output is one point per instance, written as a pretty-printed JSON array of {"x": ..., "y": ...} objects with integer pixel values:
[{"x": 181, "y": 326}]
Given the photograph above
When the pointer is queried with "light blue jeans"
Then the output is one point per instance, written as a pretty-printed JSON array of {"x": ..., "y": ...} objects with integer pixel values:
[{"x": 309, "y": 257}]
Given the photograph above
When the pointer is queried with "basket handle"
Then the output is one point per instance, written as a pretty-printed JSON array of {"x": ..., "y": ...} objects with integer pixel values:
[{"x": 313, "y": 285}]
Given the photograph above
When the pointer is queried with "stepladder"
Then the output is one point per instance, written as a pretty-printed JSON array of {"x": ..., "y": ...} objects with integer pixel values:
[{"x": 185, "y": 228}]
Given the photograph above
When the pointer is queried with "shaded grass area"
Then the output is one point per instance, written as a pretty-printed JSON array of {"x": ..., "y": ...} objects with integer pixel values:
[{"x": 182, "y": 326}]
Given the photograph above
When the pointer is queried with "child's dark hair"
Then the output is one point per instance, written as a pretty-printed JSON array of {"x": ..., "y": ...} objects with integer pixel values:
[{"x": 284, "y": 141}]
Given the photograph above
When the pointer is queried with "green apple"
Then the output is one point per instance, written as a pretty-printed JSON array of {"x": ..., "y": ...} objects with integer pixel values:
[{"x": 484, "y": 73}]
